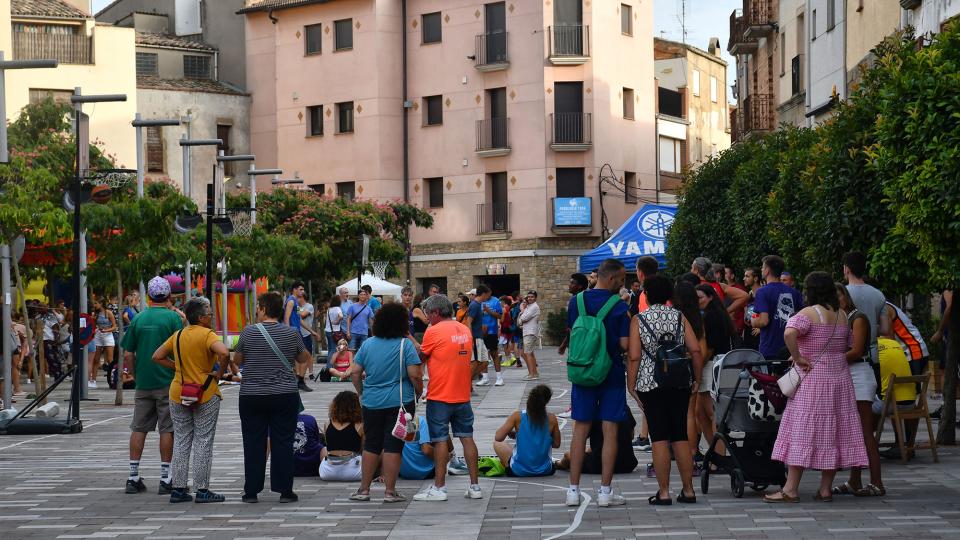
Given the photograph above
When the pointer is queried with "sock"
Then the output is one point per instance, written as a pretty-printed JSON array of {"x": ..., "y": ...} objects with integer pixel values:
[
  {"x": 134, "y": 470},
  {"x": 164, "y": 472},
  {"x": 606, "y": 490},
  {"x": 575, "y": 488}
]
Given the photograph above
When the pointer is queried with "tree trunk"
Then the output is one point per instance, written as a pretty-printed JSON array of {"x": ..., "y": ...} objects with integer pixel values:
[
  {"x": 946, "y": 431},
  {"x": 118, "y": 399}
]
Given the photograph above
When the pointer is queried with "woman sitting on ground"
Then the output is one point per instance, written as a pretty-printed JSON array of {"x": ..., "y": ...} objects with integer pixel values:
[
  {"x": 340, "y": 362},
  {"x": 537, "y": 432},
  {"x": 626, "y": 460},
  {"x": 344, "y": 437}
]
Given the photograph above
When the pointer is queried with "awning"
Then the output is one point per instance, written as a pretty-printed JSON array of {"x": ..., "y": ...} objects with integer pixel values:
[{"x": 645, "y": 233}]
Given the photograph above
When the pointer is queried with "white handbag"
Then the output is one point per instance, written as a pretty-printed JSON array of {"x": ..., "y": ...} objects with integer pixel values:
[{"x": 790, "y": 381}]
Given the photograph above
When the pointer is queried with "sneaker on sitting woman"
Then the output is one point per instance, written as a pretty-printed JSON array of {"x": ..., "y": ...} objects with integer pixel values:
[{"x": 432, "y": 493}]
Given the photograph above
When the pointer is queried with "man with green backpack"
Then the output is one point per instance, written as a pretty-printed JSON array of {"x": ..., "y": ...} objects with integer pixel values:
[{"x": 599, "y": 330}]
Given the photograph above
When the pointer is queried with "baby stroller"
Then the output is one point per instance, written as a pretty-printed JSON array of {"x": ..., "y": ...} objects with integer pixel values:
[{"x": 749, "y": 442}]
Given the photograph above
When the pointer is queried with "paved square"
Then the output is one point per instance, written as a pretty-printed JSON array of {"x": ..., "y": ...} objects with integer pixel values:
[{"x": 71, "y": 486}]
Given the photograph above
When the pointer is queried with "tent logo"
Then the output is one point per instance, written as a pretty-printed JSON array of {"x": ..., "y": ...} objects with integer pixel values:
[{"x": 655, "y": 223}]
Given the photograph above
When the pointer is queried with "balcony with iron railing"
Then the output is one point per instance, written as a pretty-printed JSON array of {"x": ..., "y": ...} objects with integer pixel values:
[
  {"x": 761, "y": 18},
  {"x": 490, "y": 52},
  {"x": 65, "y": 48},
  {"x": 493, "y": 137},
  {"x": 493, "y": 219},
  {"x": 738, "y": 43},
  {"x": 571, "y": 132},
  {"x": 758, "y": 114},
  {"x": 569, "y": 44},
  {"x": 571, "y": 215}
]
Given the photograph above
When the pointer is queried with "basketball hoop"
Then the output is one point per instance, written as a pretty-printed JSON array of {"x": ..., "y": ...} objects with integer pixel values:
[
  {"x": 380, "y": 269},
  {"x": 240, "y": 218},
  {"x": 114, "y": 178}
]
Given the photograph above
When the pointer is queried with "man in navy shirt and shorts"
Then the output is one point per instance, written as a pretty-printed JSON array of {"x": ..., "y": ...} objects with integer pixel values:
[{"x": 606, "y": 402}]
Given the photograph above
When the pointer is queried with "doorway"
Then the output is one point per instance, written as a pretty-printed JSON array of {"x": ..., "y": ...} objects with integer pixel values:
[{"x": 500, "y": 285}]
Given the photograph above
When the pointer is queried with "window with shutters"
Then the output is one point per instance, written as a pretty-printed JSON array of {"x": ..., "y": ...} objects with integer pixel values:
[
  {"x": 312, "y": 41},
  {"x": 146, "y": 63},
  {"x": 343, "y": 34},
  {"x": 345, "y": 117},
  {"x": 626, "y": 20},
  {"x": 432, "y": 30},
  {"x": 154, "y": 149}
]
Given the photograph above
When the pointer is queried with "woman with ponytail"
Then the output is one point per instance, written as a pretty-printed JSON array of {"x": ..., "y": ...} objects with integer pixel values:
[{"x": 536, "y": 431}]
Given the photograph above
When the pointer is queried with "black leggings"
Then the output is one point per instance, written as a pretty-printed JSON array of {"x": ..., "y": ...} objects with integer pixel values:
[{"x": 666, "y": 412}]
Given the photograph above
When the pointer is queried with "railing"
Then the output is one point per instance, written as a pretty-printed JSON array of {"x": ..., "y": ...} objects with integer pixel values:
[
  {"x": 758, "y": 113},
  {"x": 796, "y": 75},
  {"x": 737, "y": 42},
  {"x": 569, "y": 40},
  {"x": 571, "y": 128},
  {"x": 493, "y": 134},
  {"x": 490, "y": 50},
  {"x": 493, "y": 217},
  {"x": 65, "y": 48},
  {"x": 760, "y": 12}
]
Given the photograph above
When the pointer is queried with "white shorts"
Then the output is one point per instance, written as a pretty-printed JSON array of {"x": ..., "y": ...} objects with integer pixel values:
[
  {"x": 706, "y": 377},
  {"x": 103, "y": 339},
  {"x": 864, "y": 382},
  {"x": 481, "y": 354},
  {"x": 340, "y": 469}
]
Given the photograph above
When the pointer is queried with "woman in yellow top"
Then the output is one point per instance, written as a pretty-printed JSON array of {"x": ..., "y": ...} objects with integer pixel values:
[{"x": 194, "y": 351}]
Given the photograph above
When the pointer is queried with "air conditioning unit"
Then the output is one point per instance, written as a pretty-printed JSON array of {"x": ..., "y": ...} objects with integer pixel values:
[{"x": 910, "y": 4}]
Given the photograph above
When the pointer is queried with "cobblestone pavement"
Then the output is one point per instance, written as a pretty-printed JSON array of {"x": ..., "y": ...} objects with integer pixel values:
[{"x": 71, "y": 486}]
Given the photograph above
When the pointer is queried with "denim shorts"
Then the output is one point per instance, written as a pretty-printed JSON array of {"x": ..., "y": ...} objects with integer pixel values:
[{"x": 442, "y": 416}]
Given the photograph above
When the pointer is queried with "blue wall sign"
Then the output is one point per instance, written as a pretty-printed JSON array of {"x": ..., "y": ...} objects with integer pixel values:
[{"x": 572, "y": 211}]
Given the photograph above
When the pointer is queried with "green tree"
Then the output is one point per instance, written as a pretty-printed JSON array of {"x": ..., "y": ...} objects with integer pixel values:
[{"x": 917, "y": 158}]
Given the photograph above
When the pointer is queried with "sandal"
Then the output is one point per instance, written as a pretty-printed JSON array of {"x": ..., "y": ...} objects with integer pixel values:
[
  {"x": 783, "y": 498},
  {"x": 358, "y": 496},
  {"x": 681, "y": 498},
  {"x": 845, "y": 489},
  {"x": 820, "y": 498},
  {"x": 871, "y": 490},
  {"x": 657, "y": 501},
  {"x": 394, "y": 497}
]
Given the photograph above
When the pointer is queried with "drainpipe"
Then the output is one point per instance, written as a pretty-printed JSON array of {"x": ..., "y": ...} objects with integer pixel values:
[
  {"x": 406, "y": 127},
  {"x": 845, "y": 93}
]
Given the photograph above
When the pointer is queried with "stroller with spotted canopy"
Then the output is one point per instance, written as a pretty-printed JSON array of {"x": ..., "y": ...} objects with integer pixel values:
[{"x": 748, "y": 440}]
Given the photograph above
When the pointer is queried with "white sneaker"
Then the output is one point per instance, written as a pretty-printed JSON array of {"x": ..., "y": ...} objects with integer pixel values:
[
  {"x": 499, "y": 382},
  {"x": 92, "y": 385},
  {"x": 474, "y": 492},
  {"x": 432, "y": 493},
  {"x": 457, "y": 467},
  {"x": 566, "y": 413},
  {"x": 484, "y": 381},
  {"x": 610, "y": 499},
  {"x": 573, "y": 498}
]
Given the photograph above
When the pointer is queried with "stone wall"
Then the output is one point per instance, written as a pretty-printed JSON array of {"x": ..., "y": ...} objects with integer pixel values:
[{"x": 548, "y": 274}]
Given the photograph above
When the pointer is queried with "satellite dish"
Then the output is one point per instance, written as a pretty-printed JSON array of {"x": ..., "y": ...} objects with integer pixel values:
[{"x": 19, "y": 245}]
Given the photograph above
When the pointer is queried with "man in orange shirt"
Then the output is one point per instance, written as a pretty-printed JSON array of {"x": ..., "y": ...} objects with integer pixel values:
[{"x": 447, "y": 350}]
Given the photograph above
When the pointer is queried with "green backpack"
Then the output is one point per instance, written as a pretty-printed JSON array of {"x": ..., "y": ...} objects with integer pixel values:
[{"x": 587, "y": 359}]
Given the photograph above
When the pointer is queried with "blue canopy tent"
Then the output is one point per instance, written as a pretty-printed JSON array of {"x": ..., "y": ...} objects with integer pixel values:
[{"x": 645, "y": 233}]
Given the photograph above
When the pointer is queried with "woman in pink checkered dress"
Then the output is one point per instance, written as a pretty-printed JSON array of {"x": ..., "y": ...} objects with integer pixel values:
[{"x": 820, "y": 427}]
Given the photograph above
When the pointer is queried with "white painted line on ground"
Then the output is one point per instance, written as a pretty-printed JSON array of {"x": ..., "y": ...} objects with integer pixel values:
[
  {"x": 54, "y": 435},
  {"x": 577, "y": 518}
]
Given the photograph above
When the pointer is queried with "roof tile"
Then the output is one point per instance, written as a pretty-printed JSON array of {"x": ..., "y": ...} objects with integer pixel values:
[
  {"x": 151, "y": 82},
  {"x": 46, "y": 8},
  {"x": 169, "y": 40}
]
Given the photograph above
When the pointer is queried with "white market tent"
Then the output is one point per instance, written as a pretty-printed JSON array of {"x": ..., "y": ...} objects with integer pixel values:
[{"x": 381, "y": 287}]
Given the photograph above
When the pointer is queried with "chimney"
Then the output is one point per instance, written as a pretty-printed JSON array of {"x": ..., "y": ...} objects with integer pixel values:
[{"x": 714, "y": 47}]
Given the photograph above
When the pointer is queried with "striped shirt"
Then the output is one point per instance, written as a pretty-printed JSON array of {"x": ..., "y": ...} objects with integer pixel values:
[{"x": 263, "y": 373}]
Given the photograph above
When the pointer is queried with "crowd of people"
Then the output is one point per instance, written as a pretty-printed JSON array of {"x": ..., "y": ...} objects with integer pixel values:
[{"x": 414, "y": 365}]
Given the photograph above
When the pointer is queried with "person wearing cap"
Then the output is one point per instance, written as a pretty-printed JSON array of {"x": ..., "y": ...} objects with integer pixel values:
[{"x": 151, "y": 407}]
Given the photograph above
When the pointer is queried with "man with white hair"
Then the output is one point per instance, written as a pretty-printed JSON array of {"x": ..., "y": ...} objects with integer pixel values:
[
  {"x": 345, "y": 301},
  {"x": 151, "y": 406}
]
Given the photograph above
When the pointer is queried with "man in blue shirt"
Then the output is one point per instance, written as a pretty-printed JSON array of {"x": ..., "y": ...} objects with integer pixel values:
[
  {"x": 474, "y": 322},
  {"x": 359, "y": 318},
  {"x": 291, "y": 318},
  {"x": 492, "y": 312},
  {"x": 606, "y": 402},
  {"x": 774, "y": 304},
  {"x": 375, "y": 303}
]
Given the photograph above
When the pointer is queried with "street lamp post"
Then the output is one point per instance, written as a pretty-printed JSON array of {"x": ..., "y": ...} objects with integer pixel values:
[
  {"x": 6, "y": 287},
  {"x": 252, "y": 174},
  {"x": 218, "y": 182},
  {"x": 186, "y": 143},
  {"x": 81, "y": 132}
]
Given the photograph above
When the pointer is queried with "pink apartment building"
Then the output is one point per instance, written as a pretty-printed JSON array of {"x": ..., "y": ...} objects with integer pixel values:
[{"x": 492, "y": 114}]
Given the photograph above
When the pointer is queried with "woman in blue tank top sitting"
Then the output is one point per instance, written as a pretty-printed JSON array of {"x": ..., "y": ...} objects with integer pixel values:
[{"x": 536, "y": 431}]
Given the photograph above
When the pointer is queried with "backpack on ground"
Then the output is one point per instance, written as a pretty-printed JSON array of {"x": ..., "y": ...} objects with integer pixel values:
[{"x": 588, "y": 361}]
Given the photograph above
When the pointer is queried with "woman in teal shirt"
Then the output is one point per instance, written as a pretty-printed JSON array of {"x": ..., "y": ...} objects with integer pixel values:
[
  {"x": 390, "y": 368},
  {"x": 537, "y": 432}
]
